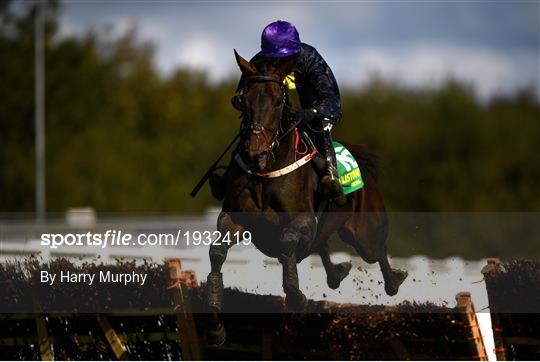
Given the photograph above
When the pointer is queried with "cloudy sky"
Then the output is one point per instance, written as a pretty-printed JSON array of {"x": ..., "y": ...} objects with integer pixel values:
[{"x": 494, "y": 45}]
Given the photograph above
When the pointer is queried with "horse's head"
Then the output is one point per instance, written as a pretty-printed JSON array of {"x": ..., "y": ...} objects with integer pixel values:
[{"x": 263, "y": 100}]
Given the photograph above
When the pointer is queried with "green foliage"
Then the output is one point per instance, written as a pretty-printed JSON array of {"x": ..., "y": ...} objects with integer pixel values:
[
  {"x": 442, "y": 150},
  {"x": 121, "y": 137}
]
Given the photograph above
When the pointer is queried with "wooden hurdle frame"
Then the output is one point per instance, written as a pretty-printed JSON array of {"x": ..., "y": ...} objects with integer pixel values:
[
  {"x": 464, "y": 309},
  {"x": 501, "y": 338},
  {"x": 180, "y": 281},
  {"x": 476, "y": 342},
  {"x": 191, "y": 347},
  {"x": 494, "y": 266}
]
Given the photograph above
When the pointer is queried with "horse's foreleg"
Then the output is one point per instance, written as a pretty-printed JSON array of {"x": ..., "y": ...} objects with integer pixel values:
[
  {"x": 295, "y": 299},
  {"x": 298, "y": 233},
  {"x": 218, "y": 255},
  {"x": 215, "y": 333}
]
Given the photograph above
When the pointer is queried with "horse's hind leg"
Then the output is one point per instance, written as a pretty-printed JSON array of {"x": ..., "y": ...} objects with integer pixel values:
[
  {"x": 367, "y": 233},
  {"x": 335, "y": 273},
  {"x": 392, "y": 277},
  {"x": 215, "y": 333}
]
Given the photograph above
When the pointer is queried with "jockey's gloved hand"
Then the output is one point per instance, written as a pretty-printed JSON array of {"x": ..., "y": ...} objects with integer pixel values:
[
  {"x": 333, "y": 119},
  {"x": 308, "y": 115}
]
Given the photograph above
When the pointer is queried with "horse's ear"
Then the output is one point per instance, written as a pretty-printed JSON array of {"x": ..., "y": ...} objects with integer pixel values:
[
  {"x": 285, "y": 68},
  {"x": 246, "y": 67}
]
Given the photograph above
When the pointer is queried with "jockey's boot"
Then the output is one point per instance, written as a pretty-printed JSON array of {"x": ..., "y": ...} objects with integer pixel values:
[{"x": 330, "y": 184}]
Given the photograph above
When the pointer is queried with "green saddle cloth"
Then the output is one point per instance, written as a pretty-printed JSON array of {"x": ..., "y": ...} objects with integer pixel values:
[{"x": 348, "y": 170}]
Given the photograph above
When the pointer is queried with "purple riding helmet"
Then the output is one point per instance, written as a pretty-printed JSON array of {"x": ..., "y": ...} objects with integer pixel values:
[{"x": 280, "y": 39}]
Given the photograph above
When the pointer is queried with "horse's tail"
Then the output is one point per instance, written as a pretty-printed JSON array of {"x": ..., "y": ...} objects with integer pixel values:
[{"x": 366, "y": 160}]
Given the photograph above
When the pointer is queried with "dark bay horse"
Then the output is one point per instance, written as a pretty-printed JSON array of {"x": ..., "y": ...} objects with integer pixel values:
[{"x": 281, "y": 212}]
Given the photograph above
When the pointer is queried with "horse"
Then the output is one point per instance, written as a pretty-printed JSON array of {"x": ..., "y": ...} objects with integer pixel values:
[{"x": 282, "y": 212}]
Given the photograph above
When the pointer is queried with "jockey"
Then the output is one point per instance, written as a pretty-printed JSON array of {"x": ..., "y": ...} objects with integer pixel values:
[{"x": 317, "y": 90}]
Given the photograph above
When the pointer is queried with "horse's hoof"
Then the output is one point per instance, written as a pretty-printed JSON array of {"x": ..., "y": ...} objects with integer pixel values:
[
  {"x": 216, "y": 336},
  {"x": 398, "y": 276},
  {"x": 295, "y": 301},
  {"x": 340, "y": 272}
]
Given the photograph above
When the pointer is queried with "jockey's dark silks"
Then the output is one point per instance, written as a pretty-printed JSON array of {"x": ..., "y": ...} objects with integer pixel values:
[
  {"x": 315, "y": 83},
  {"x": 317, "y": 90}
]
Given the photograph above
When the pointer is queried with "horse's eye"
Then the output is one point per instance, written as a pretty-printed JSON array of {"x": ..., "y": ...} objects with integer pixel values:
[{"x": 238, "y": 102}]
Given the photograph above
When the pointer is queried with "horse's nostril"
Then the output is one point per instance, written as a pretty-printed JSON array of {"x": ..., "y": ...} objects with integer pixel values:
[{"x": 256, "y": 128}]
